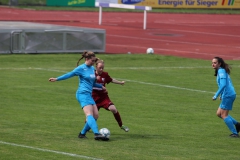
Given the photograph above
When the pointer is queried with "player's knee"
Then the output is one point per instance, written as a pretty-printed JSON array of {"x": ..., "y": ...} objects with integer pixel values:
[
  {"x": 113, "y": 109},
  {"x": 96, "y": 116},
  {"x": 219, "y": 115}
]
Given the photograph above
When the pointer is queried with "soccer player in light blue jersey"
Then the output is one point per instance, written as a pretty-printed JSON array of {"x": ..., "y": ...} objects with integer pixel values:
[
  {"x": 87, "y": 81},
  {"x": 226, "y": 94}
]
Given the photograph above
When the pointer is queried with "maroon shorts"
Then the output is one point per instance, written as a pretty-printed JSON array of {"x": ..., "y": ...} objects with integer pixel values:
[{"x": 104, "y": 103}]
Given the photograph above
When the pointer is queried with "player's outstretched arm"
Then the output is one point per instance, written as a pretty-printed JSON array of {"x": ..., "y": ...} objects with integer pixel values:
[
  {"x": 52, "y": 79},
  {"x": 118, "y": 82}
]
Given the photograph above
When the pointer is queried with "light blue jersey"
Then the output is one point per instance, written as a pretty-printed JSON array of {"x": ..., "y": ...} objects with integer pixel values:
[
  {"x": 228, "y": 95},
  {"x": 86, "y": 77},
  {"x": 225, "y": 86}
]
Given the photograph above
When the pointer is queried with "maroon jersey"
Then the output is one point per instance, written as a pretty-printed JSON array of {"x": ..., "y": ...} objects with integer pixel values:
[{"x": 101, "y": 79}]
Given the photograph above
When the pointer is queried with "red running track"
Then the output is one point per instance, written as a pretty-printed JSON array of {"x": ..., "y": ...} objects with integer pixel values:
[{"x": 200, "y": 36}]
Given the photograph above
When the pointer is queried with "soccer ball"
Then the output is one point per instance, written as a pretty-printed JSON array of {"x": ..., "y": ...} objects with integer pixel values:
[
  {"x": 150, "y": 51},
  {"x": 105, "y": 132}
]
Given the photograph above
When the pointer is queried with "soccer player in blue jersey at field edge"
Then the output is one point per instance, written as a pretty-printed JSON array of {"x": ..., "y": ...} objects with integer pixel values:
[
  {"x": 227, "y": 95},
  {"x": 87, "y": 81}
]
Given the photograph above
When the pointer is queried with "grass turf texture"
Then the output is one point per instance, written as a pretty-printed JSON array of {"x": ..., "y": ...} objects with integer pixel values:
[{"x": 166, "y": 103}]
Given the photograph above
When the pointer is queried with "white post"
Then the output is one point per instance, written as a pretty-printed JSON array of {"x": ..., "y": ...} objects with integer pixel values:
[
  {"x": 145, "y": 20},
  {"x": 100, "y": 15}
]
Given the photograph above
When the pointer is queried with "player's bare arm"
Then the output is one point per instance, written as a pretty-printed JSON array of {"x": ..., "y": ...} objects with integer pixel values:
[{"x": 118, "y": 82}]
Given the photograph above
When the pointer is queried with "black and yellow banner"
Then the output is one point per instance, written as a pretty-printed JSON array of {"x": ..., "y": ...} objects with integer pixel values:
[{"x": 221, "y": 4}]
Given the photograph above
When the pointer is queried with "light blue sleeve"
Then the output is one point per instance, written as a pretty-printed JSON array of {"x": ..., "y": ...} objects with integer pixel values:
[
  {"x": 222, "y": 76},
  {"x": 97, "y": 85},
  {"x": 66, "y": 76}
]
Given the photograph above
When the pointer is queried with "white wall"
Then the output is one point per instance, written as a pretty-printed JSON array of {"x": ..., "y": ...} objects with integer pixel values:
[{"x": 107, "y": 1}]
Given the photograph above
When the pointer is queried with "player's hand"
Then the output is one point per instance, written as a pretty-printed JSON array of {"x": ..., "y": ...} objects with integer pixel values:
[
  {"x": 105, "y": 91},
  {"x": 52, "y": 79},
  {"x": 104, "y": 88},
  {"x": 214, "y": 98}
]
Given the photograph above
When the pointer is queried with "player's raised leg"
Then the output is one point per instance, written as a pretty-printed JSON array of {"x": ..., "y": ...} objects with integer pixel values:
[{"x": 118, "y": 118}]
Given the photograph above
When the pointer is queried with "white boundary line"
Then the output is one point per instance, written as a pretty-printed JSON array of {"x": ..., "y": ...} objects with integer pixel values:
[
  {"x": 152, "y": 68},
  {"x": 154, "y": 84},
  {"x": 133, "y": 68},
  {"x": 167, "y": 86},
  {"x": 52, "y": 151}
]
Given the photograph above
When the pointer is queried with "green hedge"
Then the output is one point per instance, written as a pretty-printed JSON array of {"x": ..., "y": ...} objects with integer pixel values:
[{"x": 25, "y": 2}]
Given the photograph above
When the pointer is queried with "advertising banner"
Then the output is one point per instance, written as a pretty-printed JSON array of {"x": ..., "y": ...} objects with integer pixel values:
[
  {"x": 107, "y": 1},
  {"x": 70, "y": 3},
  {"x": 221, "y": 4}
]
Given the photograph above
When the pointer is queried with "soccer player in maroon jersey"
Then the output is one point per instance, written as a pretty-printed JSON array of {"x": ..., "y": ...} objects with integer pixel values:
[{"x": 101, "y": 96}]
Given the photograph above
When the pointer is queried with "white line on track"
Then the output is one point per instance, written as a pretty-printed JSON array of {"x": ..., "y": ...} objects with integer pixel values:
[
  {"x": 154, "y": 84},
  {"x": 174, "y": 50},
  {"x": 207, "y": 33},
  {"x": 47, "y": 150},
  {"x": 169, "y": 41},
  {"x": 112, "y": 24},
  {"x": 213, "y": 24}
]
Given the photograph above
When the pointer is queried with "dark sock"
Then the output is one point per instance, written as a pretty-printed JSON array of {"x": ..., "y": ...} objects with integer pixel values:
[{"x": 118, "y": 118}]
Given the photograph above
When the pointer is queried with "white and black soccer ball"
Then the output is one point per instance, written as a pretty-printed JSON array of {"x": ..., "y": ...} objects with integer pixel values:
[
  {"x": 105, "y": 132},
  {"x": 150, "y": 51}
]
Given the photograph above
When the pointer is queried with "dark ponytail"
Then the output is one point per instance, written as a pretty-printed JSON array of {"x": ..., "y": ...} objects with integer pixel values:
[{"x": 223, "y": 65}]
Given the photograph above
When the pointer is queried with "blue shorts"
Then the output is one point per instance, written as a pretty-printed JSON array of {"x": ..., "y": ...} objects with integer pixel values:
[
  {"x": 85, "y": 99},
  {"x": 227, "y": 102}
]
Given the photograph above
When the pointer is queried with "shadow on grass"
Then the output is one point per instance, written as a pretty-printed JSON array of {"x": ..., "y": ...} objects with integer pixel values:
[{"x": 117, "y": 137}]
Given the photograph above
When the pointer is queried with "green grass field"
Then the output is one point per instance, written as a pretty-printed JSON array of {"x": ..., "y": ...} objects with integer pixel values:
[{"x": 166, "y": 103}]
